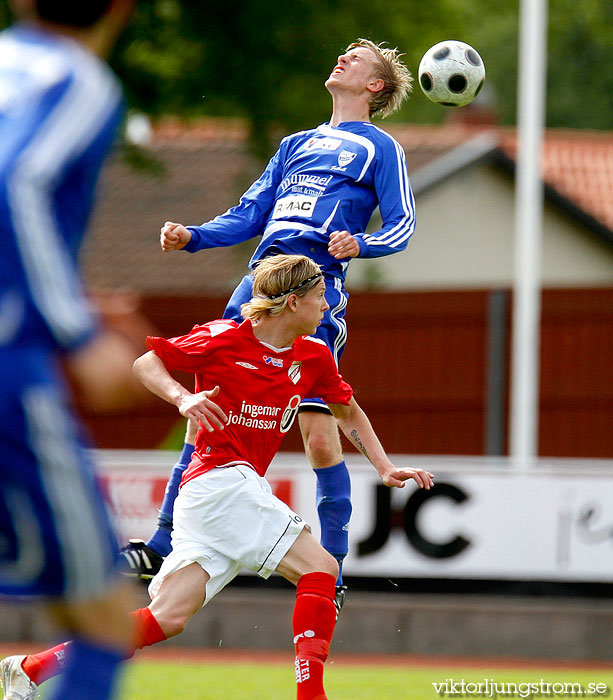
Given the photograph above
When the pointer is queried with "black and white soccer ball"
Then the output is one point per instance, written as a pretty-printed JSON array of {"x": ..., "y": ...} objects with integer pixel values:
[{"x": 451, "y": 73}]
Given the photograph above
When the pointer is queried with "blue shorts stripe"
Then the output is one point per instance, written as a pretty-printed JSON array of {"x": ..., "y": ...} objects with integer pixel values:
[
  {"x": 337, "y": 317},
  {"x": 72, "y": 492},
  {"x": 54, "y": 524}
]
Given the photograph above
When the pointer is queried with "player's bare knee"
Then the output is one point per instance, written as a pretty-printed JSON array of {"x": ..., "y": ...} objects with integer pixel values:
[
  {"x": 332, "y": 567},
  {"x": 172, "y": 622},
  {"x": 321, "y": 439},
  {"x": 322, "y": 451},
  {"x": 326, "y": 564}
]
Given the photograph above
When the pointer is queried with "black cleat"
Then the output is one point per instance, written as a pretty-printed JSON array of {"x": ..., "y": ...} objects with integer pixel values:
[
  {"x": 339, "y": 598},
  {"x": 139, "y": 560}
]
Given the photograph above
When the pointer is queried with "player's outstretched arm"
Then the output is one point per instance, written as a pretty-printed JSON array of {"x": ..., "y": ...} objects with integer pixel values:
[
  {"x": 355, "y": 425},
  {"x": 198, "y": 408},
  {"x": 174, "y": 236}
]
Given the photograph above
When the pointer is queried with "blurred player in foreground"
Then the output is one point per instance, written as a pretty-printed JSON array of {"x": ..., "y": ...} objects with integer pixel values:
[
  {"x": 225, "y": 516},
  {"x": 60, "y": 106},
  {"x": 316, "y": 198}
]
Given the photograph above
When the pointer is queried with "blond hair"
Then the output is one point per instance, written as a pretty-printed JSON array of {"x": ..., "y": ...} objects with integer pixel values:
[
  {"x": 274, "y": 279},
  {"x": 397, "y": 78}
]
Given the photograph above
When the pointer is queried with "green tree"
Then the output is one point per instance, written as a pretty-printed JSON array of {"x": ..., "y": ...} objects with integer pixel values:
[
  {"x": 580, "y": 64},
  {"x": 265, "y": 60},
  {"x": 579, "y": 59}
]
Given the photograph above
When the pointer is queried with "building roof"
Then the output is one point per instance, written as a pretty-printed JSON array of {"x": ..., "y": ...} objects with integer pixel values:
[
  {"x": 196, "y": 172},
  {"x": 577, "y": 171},
  {"x": 188, "y": 178}
]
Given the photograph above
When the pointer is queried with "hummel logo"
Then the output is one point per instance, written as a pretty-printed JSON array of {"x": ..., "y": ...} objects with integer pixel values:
[{"x": 246, "y": 365}]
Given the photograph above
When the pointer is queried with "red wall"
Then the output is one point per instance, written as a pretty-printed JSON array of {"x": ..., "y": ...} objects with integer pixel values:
[
  {"x": 417, "y": 364},
  {"x": 576, "y": 399}
]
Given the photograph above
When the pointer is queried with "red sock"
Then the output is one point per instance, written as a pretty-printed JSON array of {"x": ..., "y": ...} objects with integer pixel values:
[
  {"x": 313, "y": 624},
  {"x": 48, "y": 663},
  {"x": 146, "y": 629}
]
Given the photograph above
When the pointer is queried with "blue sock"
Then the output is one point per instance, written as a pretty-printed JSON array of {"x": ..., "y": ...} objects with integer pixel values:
[
  {"x": 91, "y": 672},
  {"x": 160, "y": 540},
  {"x": 334, "y": 509}
]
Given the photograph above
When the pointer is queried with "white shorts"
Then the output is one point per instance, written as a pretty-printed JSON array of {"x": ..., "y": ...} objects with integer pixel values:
[{"x": 225, "y": 520}]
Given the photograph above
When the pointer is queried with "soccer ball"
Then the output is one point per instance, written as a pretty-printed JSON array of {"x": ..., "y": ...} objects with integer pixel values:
[{"x": 451, "y": 73}]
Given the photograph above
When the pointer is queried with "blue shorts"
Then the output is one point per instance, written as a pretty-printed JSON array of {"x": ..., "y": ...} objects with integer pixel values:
[
  {"x": 332, "y": 330},
  {"x": 56, "y": 537}
]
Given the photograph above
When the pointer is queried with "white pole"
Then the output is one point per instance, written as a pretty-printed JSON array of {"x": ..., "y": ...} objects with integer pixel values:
[{"x": 528, "y": 233}]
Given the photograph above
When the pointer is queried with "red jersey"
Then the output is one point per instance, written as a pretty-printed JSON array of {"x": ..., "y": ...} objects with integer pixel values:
[{"x": 261, "y": 388}]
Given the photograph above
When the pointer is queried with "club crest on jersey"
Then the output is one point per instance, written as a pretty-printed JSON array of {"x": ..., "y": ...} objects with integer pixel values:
[
  {"x": 274, "y": 361},
  {"x": 344, "y": 158},
  {"x": 294, "y": 371}
]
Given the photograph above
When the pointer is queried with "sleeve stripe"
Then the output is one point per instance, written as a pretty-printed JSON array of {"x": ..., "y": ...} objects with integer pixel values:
[
  {"x": 405, "y": 227},
  {"x": 73, "y": 124}
]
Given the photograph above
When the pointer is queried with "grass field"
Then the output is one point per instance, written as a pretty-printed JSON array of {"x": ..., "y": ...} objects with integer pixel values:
[{"x": 160, "y": 679}]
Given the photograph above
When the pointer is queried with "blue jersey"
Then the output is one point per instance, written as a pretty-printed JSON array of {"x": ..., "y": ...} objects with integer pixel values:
[
  {"x": 59, "y": 110},
  {"x": 319, "y": 181}
]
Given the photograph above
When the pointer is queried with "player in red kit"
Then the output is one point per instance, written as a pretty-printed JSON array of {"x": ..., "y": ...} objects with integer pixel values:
[
  {"x": 260, "y": 388},
  {"x": 250, "y": 379}
]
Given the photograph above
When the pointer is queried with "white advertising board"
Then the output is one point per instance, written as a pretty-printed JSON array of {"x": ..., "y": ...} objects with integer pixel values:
[{"x": 483, "y": 520}]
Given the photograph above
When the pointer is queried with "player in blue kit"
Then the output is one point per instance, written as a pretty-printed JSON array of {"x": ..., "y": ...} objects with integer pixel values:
[
  {"x": 60, "y": 106},
  {"x": 316, "y": 198}
]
